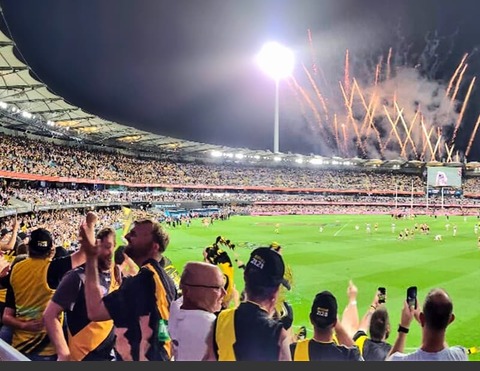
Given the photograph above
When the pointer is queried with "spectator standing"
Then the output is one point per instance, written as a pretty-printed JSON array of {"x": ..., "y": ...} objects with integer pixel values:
[
  {"x": 8, "y": 252},
  {"x": 373, "y": 344},
  {"x": 193, "y": 314},
  {"x": 86, "y": 340},
  {"x": 248, "y": 332},
  {"x": 436, "y": 315},
  {"x": 140, "y": 308},
  {"x": 31, "y": 284},
  {"x": 323, "y": 347}
]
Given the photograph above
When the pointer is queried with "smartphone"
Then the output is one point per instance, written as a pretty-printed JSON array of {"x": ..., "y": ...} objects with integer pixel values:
[
  {"x": 382, "y": 292},
  {"x": 412, "y": 296}
]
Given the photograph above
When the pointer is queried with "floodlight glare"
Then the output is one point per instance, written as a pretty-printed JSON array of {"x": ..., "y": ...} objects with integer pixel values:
[{"x": 277, "y": 61}]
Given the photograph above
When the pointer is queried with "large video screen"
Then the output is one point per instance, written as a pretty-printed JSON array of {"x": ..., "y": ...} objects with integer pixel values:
[{"x": 443, "y": 176}]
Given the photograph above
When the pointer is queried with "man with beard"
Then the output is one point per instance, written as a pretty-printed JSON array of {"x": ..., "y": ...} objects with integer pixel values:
[
  {"x": 140, "y": 307},
  {"x": 86, "y": 340}
]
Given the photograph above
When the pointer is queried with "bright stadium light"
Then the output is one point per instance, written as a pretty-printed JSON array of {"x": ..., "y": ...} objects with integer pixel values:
[{"x": 277, "y": 61}]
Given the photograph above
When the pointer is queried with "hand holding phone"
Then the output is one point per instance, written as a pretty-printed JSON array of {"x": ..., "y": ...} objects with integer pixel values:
[
  {"x": 412, "y": 296},
  {"x": 382, "y": 295}
]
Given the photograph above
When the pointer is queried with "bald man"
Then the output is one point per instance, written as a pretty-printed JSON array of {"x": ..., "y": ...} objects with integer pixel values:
[
  {"x": 192, "y": 316},
  {"x": 435, "y": 317}
]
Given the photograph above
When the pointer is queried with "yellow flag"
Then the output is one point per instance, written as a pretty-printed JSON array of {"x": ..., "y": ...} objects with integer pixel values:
[{"x": 127, "y": 219}]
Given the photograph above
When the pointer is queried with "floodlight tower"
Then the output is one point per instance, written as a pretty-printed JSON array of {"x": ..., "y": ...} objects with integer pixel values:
[{"x": 277, "y": 61}]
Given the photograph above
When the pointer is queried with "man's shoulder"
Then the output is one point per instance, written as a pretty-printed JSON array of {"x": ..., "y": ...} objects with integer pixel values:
[{"x": 359, "y": 334}]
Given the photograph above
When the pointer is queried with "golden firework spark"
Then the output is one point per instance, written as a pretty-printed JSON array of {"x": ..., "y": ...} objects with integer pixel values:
[{"x": 376, "y": 114}]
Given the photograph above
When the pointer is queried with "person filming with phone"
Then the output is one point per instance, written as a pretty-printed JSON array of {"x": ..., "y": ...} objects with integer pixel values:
[
  {"x": 434, "y": 318},
  {"x": 374, "y": 329}
]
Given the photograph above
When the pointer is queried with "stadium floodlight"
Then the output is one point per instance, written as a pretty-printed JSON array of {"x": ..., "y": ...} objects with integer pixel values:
[
  {"x": 26, "y": 115},
  {"x": 316, "y": 161},
  {"x": 277, "y": 61}
]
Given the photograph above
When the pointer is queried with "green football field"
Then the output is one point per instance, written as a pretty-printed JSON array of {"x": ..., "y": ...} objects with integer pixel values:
[{"x": 326, "y": 251}]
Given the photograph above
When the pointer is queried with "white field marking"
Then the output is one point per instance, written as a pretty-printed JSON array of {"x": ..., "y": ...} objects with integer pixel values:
[{"x": 341, "y": 229}]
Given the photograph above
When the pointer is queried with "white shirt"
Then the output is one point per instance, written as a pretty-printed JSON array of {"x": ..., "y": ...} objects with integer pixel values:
[
  {"x": 454, "y": 353},
  {"x": 188, "y": 330}
]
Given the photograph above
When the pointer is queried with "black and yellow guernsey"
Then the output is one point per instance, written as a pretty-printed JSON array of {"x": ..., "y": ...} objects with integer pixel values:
[
  {"x": 315, "y": 350},
  {"x": 149, "y": 293},
  {"x": 247, "y": 333},
  {"x": 163, "y": 301},
  {"x": 31, "y": 292},
  {"x": 87, "y": 340},
  {"x": 371, "y": 350}
]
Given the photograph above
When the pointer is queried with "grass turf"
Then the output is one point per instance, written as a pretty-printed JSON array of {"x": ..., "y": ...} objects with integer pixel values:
[{"x": 326, "y": 251}]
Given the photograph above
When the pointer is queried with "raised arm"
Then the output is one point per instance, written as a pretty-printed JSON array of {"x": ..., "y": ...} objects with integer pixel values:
[
  {"x": 79, "y": 256},
  {"x": 349, "y": 319},
  {"x": 93, "y": 291},
  {"x": 13, "y": 238},
  {"x": 365, "y": 321},
  {"x": 408, "y": 313}
]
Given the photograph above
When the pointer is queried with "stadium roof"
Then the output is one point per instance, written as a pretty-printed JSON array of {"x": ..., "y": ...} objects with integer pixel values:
[{"x": 28, "y": 105}]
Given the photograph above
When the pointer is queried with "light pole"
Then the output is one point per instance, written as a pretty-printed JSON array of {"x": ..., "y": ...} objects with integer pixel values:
[{"x": 276, "y": 61}]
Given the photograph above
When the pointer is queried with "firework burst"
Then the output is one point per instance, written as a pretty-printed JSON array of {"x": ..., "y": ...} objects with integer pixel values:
[{"x": 389, "y": 109}]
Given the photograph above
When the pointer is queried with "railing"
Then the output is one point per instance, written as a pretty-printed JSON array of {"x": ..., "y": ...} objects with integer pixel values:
[{"x": 8, "y": 353}]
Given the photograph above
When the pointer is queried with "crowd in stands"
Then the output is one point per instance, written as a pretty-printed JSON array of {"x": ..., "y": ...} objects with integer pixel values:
[
  {"x": 89, "y": 307},
  {"x": 247, "y": 203},
  {"x": 46, "y": 196},
  {"x": 84, "y": 307},
  {"x": 62, "y": 224},
  {"x": 28, "y": 156}
]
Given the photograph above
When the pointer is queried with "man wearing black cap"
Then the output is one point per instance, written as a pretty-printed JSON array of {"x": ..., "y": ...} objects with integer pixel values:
[
  {"x": 248, "y": 332},
  {"x": 31, "y": 284},
  {"x": 322, "y": 347}
]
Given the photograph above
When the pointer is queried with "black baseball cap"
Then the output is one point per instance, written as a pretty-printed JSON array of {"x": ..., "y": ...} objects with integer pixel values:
[
  {"x": 265, "y": 267},
  {"x": 22, "y": 235},
  {"x": 324, "y": 309},
  {"x": 4, "y": 231},
  {"x": 40, "y": 240}
]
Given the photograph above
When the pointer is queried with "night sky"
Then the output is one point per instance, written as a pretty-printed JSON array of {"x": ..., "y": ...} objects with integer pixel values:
[{"x": 185, "y": 68}]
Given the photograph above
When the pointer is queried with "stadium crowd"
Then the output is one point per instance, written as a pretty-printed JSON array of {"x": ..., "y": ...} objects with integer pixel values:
[
  {"x": 22, "y": 155},
  {"x": 85, "y": 306},
  {"x": 99, "y": 302}
]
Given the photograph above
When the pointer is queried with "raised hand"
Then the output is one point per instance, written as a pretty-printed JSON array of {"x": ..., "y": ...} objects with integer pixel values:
[
  {"x": 352, "y": 291},
  {"x": 15, "y": 224},
  {"x": 87, "y": 234}
]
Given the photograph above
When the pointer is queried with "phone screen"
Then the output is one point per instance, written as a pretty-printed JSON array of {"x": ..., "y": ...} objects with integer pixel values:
[
  {"x": 382, "y": 294},
  {"x": 412, "y": 296}
]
